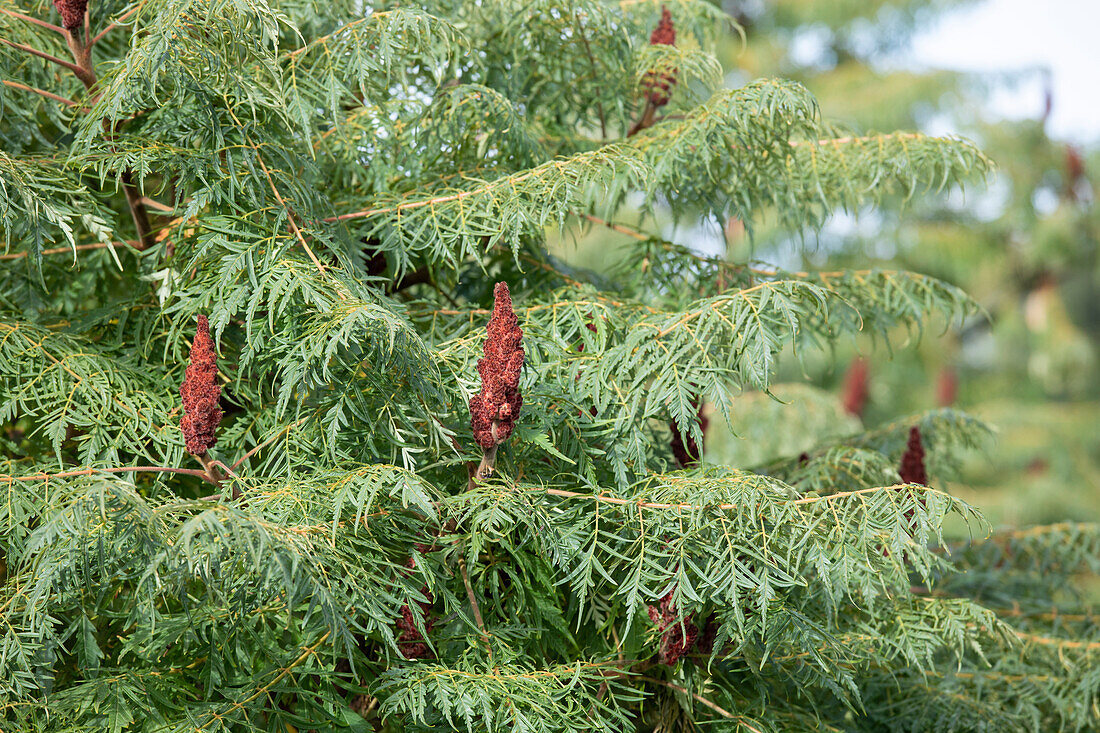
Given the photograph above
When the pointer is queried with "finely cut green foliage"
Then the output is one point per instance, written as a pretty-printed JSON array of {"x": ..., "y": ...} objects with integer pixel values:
[{"x": 338, "y": 188}]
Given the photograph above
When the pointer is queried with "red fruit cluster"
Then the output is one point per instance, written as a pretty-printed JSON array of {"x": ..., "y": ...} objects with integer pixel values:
[
  {"x": 912, "y": 461},
  {"x": 72, "y": 12},
  {"x": 200, "y": 393},
  {"x": 1075, "y": 171},
  {"x": 677, "y": 635},
  {"x": 658, "y": 85},
  {"x": 410, "y": 641},
  {"x": 493, "y": 410},
  {"x": 947, "y": 387},
  {"x": 684, "y": 448},
  {"x": 857, "y": 387}
]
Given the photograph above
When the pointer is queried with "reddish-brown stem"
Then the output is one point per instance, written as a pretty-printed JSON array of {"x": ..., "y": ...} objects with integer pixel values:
[
  {"x": 82, "y": 55},
  {"x": 699, "y": 698},
  {"x": 36, "y": 90},
  {"x": 214, "y": 476},
  {"x": 473, "y": 604},
  {"x": 592, "y": 65},
  {"x": 289, "y": 215},
  {"x": 649, "y": 116},
  {"x": 119, "y": 469},
  {"x": 114, "y": 24},
  {"x": 137, "y": 211},
  {"x": 488, "y": 464},
  {"x": 266, "y": 443},
  {"x": 36, "y": 21},
  {"x": 42, "y": 54},
  {"x": 154, "y": 204},
  {"x": 84, "y": 70},
  {"x": 78, "y": 248}
]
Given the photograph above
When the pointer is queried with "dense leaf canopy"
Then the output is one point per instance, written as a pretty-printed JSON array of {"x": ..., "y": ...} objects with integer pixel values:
[{"x": 338, "y": 189}]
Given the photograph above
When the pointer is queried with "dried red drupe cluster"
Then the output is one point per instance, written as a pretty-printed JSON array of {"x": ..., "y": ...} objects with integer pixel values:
[
  {"x": 658, "y": 85},
  {"x": 683, "y": 446},
  {"x": 493, "y": 410},
  {"x": 947, "y": 387},
  {"x": 200, "y": 393},
  {"x": 678, "y": 636},
  {"x": 410, "y": 641},
  {"x": 72, "y": 12},
  {"x": 1075, "y": 171},
  {"x": 912, "y": 461},
  {"x": 912, "y": 467},
  {"x": 857, "y": 387}
]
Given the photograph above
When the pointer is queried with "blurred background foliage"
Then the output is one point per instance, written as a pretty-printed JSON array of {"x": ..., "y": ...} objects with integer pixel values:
[{"x": 1025, "y": 247}]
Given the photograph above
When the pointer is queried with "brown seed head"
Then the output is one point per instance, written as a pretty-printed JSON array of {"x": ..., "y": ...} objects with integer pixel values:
[
  {"x": 200, "y": 393},
  {"x": 912, "y": 461},
  {"x": 678, "y": 635},
  {"x": 856, "y": 387},
  {"x": 410, "y": 641},
  {"x": 72, "y": 12},
  {"x": 665, "y": 32},
  {"x": 658, "y": 84},
  {"x": 947, "y": 387},
  {"x": 493, "y": 410}
]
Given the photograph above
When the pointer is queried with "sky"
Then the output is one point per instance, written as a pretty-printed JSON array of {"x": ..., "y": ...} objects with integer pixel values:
[{"x": 1007, "y": 35}]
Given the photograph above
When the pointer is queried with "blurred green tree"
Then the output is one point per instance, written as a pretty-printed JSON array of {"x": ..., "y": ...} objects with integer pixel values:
[{"x": 306, "y": 428}]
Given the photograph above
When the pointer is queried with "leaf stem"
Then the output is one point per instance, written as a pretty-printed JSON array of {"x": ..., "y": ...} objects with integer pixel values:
[
  {"x": 699, "y": 698},
  {"x": 114, "y": 24},
  {"x": 16, "y": 85},
  {"x": 36, "y": 21},
  {"x": 118, "y": 469},
  {"x": 474, "y": 605},
  {"x": 42, "y": 54},
  {"x": 85, "y": 71},
  {"x": 267, "y": 442}
]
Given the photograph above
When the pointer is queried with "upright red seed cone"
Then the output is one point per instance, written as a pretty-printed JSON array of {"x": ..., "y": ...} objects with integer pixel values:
[
  {"x": 200, "y": 393},
  {"x": 665, "y": 32},
  {"x": 658, "y": 85},
  {"x": 1075, "y": 171},
  {"x": 856, "y": 387},
  {"x": 947, "y": 387},
  {"x": 912, "y": 461},
  {"x": 493, "y": 410},
  {"x": 410, "y": 641},
  {"x": 72, "y": 12},
  {"x": 912, "y": 467},
  {"x": 677, "y": 635}
]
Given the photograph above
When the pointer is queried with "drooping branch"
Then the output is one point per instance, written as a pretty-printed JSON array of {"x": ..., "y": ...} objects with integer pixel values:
[
  {"x": 8, "y": 478},
  {"x": 509, "y": 182},
  {"x": 75, "y": 68},
  {"x": 683, "y": 506},
  {"x": 85, "y": 71},
  {"x": 114, "y": 24},
  {"x": 474, "y": 607},
  {"x": 48, "y": 26},
  {"x": 49, "y": 95},
  {"x": 657, "y": 84},
  {"x": 77, "y": 248}
]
